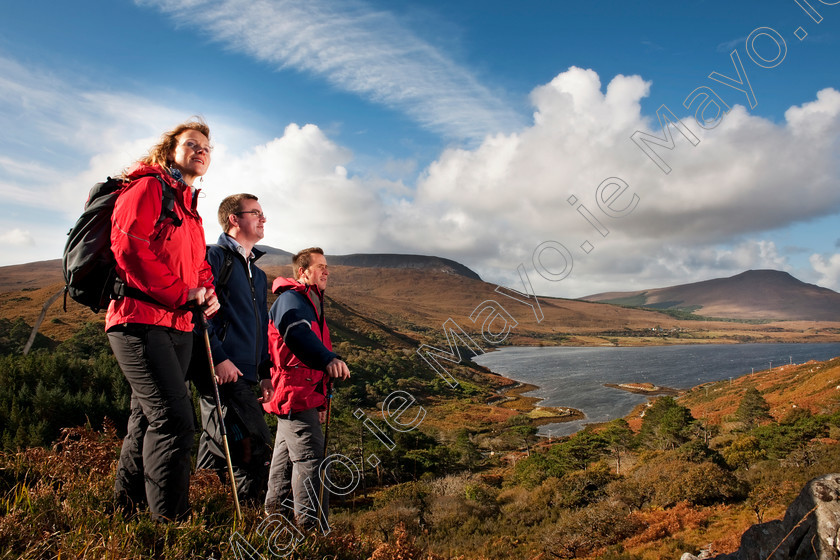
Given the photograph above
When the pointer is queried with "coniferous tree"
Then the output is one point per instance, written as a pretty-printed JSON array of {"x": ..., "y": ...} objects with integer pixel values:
[
  {"x": 619, "y": 438},
  {"x": 666, "y": 424},
  {"x": 753, "y": 409},
  {"x": 581, "y": 449}
]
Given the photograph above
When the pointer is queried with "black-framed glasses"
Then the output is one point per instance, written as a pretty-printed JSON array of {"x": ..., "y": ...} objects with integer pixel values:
[{"x": 257, "y": 214}]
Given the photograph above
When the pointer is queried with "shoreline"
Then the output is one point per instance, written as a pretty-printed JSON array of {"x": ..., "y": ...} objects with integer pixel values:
[{"x": 511, "y": 397}]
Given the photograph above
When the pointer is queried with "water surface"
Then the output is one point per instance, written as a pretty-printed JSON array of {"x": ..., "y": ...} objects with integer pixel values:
[{"x": 575, "y": 377}]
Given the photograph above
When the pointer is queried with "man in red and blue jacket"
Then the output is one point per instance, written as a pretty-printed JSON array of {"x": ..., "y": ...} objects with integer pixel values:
[{"x": 302, "y": 361}]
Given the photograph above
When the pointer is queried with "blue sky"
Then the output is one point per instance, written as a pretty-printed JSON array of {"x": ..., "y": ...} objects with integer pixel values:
[{"x": 454, "y": 129}]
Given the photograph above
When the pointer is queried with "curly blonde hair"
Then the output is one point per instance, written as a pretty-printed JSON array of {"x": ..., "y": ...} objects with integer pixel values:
[{"x": 161, "y": 153}]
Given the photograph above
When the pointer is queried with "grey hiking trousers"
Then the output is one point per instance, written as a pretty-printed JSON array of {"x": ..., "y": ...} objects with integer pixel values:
[{"x": 294, "y": 480}]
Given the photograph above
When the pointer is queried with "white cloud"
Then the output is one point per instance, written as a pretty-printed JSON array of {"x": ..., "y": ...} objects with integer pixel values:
[
  {"x": 828, "y": 268},
  {"x": 70, "y": 137},
  {"x": 488, "y": 207},
  {"x": 492, "y": 206},
  {"x": 18, "y": 238},
  {"x": 67, "y": 136},
  {"x": 356, "y": 49},
  {"x": 53, "y": 116},
  {"x": 304, "y": 190}
]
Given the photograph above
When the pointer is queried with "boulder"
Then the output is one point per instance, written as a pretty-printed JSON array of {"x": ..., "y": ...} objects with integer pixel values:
[{"x": 810, "y": 529}]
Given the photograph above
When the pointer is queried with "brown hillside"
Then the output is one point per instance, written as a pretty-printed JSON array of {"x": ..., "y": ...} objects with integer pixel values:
[
  {"x": 415, "y": 303},
  {"x": 813, "y": 385},
  {"x": 29, "y": 276},
  {"x": 420, "y": 302},
  {"x": 755, "y": 294},
  {"x": 279, "y": 258}
]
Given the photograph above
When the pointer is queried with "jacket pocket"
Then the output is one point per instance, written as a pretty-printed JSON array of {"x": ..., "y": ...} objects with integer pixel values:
[{"x": 300, "y": 389}]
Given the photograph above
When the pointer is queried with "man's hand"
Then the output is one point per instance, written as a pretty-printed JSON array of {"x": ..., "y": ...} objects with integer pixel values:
[
  {"x": 322, "y": 416},
  {"x": 267, "y": 390},
  {"x": 226, "y": 372},
  {"x": 338, "y": 369}
]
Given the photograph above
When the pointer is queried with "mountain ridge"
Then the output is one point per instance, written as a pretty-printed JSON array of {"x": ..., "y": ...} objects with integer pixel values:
[
  {"x": 279, "y": 257},
  {"x": 753, "y": 294},
  {"x": 33, "y": 275},
  {"x": 415, "y": 302}
]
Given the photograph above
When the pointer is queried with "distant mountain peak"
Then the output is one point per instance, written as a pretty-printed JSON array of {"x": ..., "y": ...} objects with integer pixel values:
[
  {"x": 752, "y": 294},
  {"x": 278, "y": 257},
  {"x": 765, "y": 273}
]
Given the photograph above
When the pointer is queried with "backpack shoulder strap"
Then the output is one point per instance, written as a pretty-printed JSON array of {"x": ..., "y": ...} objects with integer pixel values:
[
  {"x": 227, "y": 268},
  {"x": 168, "y": 196},
  {"x": 223, "y": 277},
  {"x": 167, "y": 209},
  {"x": 220, "y": 283}
]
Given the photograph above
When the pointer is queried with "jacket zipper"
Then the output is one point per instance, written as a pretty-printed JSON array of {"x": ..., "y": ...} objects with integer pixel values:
[{"x": 258, "y": 337}]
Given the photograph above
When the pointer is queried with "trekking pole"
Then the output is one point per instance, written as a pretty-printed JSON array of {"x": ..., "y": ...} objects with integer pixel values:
[
  {"x": 219, "y": 413},
  {"x": 326, "y": 441}
]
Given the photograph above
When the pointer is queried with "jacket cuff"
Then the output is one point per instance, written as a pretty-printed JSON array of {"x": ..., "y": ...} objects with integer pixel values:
[
  {"x": 327, "y": 358},
  {"x": 218, "y": 351}
]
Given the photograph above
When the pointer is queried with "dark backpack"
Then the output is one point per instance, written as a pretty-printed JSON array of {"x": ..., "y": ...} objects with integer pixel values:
[
  {"x": 90, "y": 274},
  {"x": 220, "y": 285}
]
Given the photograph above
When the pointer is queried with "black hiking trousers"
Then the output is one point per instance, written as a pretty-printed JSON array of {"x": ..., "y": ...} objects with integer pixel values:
[
  {"x": 154, "y": 465},
  {"x": 249, "y": 438}
]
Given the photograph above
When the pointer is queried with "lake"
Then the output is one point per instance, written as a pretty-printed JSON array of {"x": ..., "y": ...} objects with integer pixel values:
[{"x": 575, "y": 377}]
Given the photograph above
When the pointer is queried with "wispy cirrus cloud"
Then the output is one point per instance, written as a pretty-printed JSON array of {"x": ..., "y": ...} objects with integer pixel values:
[
  {"x": 63, "y": 127},
  {"x": 358, "y": 50}
]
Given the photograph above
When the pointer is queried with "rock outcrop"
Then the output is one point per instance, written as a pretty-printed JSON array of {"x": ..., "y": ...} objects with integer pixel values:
[{"x": 809, "y": 530}]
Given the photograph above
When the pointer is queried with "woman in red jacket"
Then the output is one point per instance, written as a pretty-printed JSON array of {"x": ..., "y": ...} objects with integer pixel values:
[{"x": 161, "y": 254}]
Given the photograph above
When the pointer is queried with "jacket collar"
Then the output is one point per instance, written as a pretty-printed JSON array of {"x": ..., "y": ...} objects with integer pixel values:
[
  {"x": 189, "y": 195},
  {"x": 229, "y": 242},
  {"x": 281, "y": 285}
]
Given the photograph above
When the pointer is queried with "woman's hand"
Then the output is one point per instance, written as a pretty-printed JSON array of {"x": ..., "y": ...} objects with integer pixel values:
[{"x": 206, "y": 299}]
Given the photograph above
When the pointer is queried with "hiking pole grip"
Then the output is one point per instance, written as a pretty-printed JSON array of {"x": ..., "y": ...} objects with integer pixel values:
[{"x": 222, "y": 429}]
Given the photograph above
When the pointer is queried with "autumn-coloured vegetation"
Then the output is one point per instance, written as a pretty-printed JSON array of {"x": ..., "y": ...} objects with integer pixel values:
[{"x": 474, "y": 481}]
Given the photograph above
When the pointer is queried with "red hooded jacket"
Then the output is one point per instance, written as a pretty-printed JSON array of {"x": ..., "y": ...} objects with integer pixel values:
[
  {"x": 299, "y": 346},
  {"x": 162, "y": 260}
]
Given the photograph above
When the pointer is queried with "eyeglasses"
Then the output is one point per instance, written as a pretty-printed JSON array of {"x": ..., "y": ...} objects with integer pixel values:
[
  {"x": 196, "y": 147},
  {"x": 257, "y": 214}
]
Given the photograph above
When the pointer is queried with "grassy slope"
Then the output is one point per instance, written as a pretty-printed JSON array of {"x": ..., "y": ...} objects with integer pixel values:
[
  {"x": 814, "y": 386},
  {"x": 377, "y": 308}
]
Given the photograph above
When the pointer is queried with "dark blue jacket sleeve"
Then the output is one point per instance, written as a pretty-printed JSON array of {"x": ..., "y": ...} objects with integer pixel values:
[
  {"x": 295, "y": 316},
  {"x": 216, "y": 260}
]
